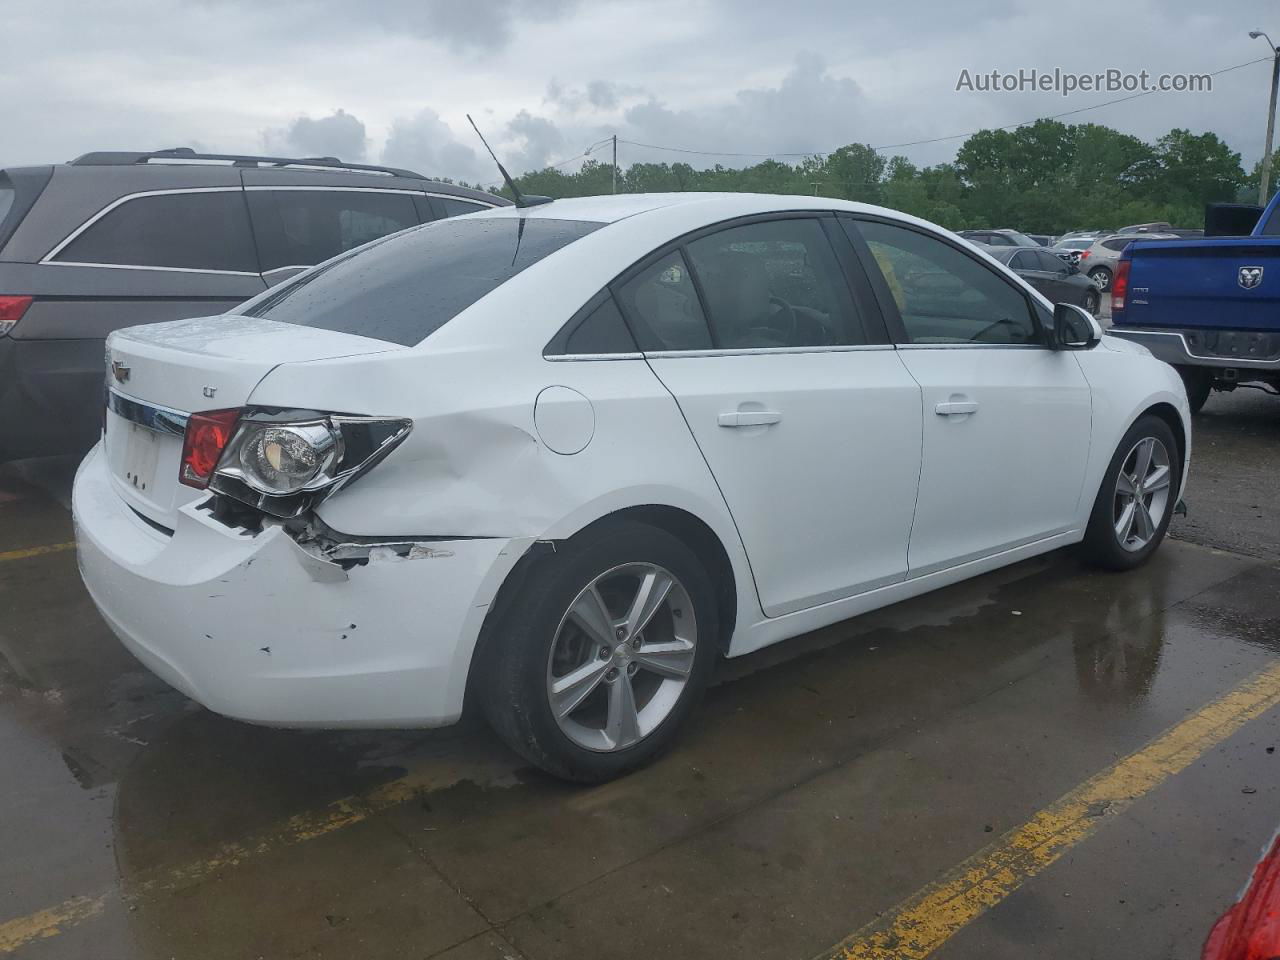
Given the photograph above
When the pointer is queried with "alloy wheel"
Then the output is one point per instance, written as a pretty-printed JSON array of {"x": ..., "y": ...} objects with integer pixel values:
[
  {"x": 1141, "y": 500},
  {"x": 622, "y": 656}
]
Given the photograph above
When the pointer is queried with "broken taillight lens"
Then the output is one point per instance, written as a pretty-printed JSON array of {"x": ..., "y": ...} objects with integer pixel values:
[{"x": 207, "y": 436}]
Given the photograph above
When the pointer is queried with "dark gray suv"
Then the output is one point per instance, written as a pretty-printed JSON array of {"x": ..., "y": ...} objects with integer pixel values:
[{"x": 115, "y": 239}]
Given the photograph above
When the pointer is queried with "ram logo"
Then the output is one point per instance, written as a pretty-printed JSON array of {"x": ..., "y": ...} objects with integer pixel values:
[{"x": 1249, "y": 277}]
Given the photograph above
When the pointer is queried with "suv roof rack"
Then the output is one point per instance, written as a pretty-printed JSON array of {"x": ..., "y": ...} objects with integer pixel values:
[{"x": 114, "y": 158}]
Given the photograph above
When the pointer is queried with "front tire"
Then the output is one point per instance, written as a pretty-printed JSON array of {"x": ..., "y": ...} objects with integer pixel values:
[
  {"x": 1135, "y": 502},
  {"x": 1093, "y": 301},
  {"x": 604, "y": 653}
]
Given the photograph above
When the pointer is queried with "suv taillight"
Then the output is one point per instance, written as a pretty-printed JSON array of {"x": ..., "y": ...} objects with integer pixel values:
[
  {"x": 207, "y": 436},
  {"x": 1120, "y": 285},
  {"x": 11, "y": 311}
]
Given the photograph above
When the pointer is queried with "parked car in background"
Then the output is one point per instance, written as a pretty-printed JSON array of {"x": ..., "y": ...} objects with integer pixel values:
[
  {"x": 1041, "y": 238},
  {"x": 114, "y": 239},
  {"x": 998, "y": 238},
  {"x": 1158, "y": 226},
  {"x": 1098, "y": 260},
  {"x": 1210, "y": 307},
  {"x": 561, "y": 459},
  {"x": 1059, "y": 281},
  {"x": 1070, "y": 250},
  {"x": 1082, "y": 235}
]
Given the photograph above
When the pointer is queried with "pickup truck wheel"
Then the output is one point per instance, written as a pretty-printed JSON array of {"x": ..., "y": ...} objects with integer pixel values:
[
  {"x": 1136, "y": 500},
  {"x": 604, "y": 654},
  {"x": 1101, "y": 276},
  {"x": 1198, "y": 382}
]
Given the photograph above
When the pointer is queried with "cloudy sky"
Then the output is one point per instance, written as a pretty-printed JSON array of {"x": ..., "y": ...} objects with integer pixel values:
[{"x": 391, "y": 80}]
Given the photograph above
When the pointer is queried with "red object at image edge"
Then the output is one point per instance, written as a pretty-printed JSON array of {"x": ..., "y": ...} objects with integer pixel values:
[{"x": 1250, "y": 930}]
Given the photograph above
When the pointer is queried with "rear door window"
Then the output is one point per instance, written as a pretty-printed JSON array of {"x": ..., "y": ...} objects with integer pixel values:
[
  {"x": 404, "y": 287},
  {"x": 189, "y": 230},
  {"x": 773, "y": 284},
  {"x": 300, "y": 228}
]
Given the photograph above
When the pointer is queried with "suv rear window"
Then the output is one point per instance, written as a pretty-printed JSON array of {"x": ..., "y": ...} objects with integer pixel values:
[
  {"x": 403, "y": 288},
  {"x": 193, "y": 230}
]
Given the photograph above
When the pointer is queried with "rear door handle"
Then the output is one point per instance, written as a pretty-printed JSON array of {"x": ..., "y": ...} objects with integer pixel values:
[
  {"x": 749, "y": 418},
  {"x": 955, "y": 408}
]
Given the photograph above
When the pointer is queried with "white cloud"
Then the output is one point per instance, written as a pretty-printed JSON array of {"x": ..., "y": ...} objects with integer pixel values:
[
  {"x": 337, "y": 135},
  {"x": 544, "y": 78},
  {"x": 425, "y": 143}
]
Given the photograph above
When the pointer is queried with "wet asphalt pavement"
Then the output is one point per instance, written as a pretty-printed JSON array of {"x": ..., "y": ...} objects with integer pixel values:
[{"x": 868, "y": 762}]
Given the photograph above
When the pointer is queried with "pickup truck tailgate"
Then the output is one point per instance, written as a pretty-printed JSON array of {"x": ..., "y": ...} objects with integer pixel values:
[{"x": 1228, "y": 283}]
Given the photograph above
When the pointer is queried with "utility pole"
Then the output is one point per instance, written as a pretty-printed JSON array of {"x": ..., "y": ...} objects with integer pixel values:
[
  {"x": 1264, "y": 179},
  {"x": 615, "y": 142}
]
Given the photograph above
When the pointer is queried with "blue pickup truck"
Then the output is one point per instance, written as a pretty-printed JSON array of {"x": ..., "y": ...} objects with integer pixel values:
[{"x": 1210, "y": 307}]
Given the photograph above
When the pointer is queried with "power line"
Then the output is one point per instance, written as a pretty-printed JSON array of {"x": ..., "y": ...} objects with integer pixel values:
[
  {"x": 584, "y": 153},
  {"x": 954, "y": 136}
]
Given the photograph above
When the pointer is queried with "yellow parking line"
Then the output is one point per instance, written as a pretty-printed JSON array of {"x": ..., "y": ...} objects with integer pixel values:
[
  {"x": 927, "y": 919},
  {"x": 912, "y": 930},
  {"x": 337, "y": 815},
  {"x": 36, "y": 551},
  {"x": 48, "y": 923}
]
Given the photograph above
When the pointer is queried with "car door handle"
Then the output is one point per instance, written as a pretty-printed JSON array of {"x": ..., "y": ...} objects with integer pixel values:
[
  {"x": 749, "y": 418},
  {"x": 955, "y": 408}
]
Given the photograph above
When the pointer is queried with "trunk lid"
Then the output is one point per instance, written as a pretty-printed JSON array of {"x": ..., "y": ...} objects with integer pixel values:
[
  {"x": 159, "y": 373},
  {"x": 1223, "y": 283}
]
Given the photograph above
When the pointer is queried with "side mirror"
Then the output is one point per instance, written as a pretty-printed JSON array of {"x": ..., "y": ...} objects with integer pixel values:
[{"x": 1074, "y": 328}]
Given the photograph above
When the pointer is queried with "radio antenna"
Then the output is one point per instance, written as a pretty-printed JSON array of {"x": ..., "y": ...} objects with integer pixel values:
[{"x": 522, "y": 200}]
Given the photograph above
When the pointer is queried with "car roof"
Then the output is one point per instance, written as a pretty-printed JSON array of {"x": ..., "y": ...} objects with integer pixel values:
[{"x": 611, "y": 208}]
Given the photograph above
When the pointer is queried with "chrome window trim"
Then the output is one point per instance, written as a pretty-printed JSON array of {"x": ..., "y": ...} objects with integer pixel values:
[
  {"x": 134, "y": 266},
  {"x": 150, "y": 416},
  {"x": 120, "y": 201},
  {"x": 578, "y": 357},
  {"x": 970, "y": 345},
  {"x": 765, "y": 351},
  {"x": 292, "y": 266}
]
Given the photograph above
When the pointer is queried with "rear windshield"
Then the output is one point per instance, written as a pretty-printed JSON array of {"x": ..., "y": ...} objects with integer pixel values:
[{"x": 406, "y": 286}]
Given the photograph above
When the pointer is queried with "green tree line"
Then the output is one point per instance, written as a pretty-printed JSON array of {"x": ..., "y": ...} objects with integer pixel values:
[{"x": 1046, "y": 177}]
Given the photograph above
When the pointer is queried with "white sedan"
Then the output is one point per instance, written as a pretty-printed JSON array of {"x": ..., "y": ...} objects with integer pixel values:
[{"x": 561, "y": 458}]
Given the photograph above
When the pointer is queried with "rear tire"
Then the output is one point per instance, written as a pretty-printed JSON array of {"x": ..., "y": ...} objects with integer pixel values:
[
  {"x": 637, "y": 688},
  {"x": 1136, "y": 499},
  {"x": 1101, "y": 276},
  {"x": 1198, "y": 382}
]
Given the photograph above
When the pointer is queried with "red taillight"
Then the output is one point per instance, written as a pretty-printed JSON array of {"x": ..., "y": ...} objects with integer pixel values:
[
  {"x": 1084, "y": 254},
  {"x": 1250, "y": 930},
  {"x": 1120, "y": 285},
  {"x": 207, "y": 436},
  {"x": 11, "y": 311}
]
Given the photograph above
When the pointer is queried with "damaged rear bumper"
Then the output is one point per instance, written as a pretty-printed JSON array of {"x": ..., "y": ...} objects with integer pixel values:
[{"x": 285, "y": 629}]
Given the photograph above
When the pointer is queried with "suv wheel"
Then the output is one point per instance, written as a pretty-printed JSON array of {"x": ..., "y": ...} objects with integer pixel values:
[
  {"x": 1135, "y": 504},
  {"x": 604, "y": 654},
  {"x": 1101, "y": 276}
]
